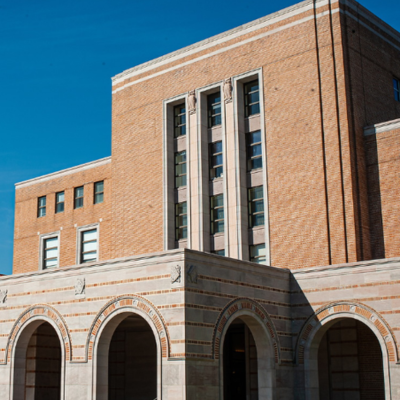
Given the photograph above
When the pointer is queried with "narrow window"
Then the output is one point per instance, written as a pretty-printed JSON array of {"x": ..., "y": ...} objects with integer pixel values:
[
  {"x": 181, "y": 220},
  {"x": 216, "y": 160},
  {"x": 257, "y": 253},
  {"x": 396, "y": 88},
  {"x": 88, "y": 246},
  {"x": 50, "y": 252},
  {"x": 41, "y": 206},
  {"x": 78, "y": 197},
  {"x": 180, "y": 169},
  {"x": 256, "y": 206},
  {"x": 217, "y": 214},
  {"x": 98, "y": 192},
  {"x": 254, "y": 150},
  {"x": 180, "y": 120},
  {"x": 60, "y": 202},
  {"x": 251, "y": 98},
  {"x": 214, "y": 109}
]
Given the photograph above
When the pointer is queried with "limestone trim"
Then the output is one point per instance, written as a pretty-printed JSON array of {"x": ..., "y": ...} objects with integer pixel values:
[
  {"x": 59, "y": 174},
  {"x": 382, "y": 127},
  {"x": 359, "y": 311},
  {"x": 235, "y": 309},
  {"x": 128, "y": 303},
  {"x": 35, "y": 312}
]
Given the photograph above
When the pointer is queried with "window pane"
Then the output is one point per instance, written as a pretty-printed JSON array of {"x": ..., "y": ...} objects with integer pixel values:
[
  {"x": 256, "y": 163},
  {"x": 98, "y": 198},
  {"x": 253, "y": 97},
  {"x": 59, "y": 207},
  {"x": 254, "y": 109},
  {"x": 257, "y": 192},
  {"x": 255, "y": 150},
  {"x": 42, "y": 212},
  {"x": 50, "y": 263},
  {"x": 216, "y": 147},
  {"x": 79, "y": 203},
  {"x": 42, "y": 201},
  {"x": 79, "y": 191},
  {"x": 89, "y": 246},
  {"x": 51, "y": 253},
  {"x": 254, "y": 137},
  {"x": 92, "y": 256},
  {"x": 60, "y": 197},
  {"x": 89, "y": 235},
  {"x": 258, "y": 219},
  {"x": 184, "y": 233},
  {"x": 219, "y": 252},
  {"x": 218, "y": 172},
  {"x": 52, "y": 242},
  {"x": 251, "y": 87},
  {"x": 99, "y": 186},
  {"x": 217, "y": 160}
]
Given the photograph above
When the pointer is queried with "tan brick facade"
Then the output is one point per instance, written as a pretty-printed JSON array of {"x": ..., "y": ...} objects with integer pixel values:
[{"x": 329, "y": 145}]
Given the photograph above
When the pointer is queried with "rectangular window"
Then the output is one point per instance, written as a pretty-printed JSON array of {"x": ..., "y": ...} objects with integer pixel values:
[
  {"x": 217, "y": 214},
  {"x": 396, "y": 88},
  {"x": 216, "y": 160},
  {"x": 78, "y": 197},
  {"x": 88, "y": 246},
  {"x": 251, "y": 98},
  {"x": 60, "y": 198},
  {"x": 256, "y": 206},
  {"x": 214, "y": 109},
  {"x": 180, "y": 169},
  {"x": 41, "y": 206},
  {"x": 254, "y": 150},
  {"x": 98, "y": 192},
  {"x": 50, "y": 253},
  {"x": 257, "y": 253},
  {"x": 180, "y": 120},
  {"x": 181, "y": 220},
  {"x": 219, "y": 252}
]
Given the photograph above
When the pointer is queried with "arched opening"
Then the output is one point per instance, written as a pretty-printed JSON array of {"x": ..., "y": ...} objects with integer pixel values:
[
  {"x": 127, "y": 366},
  {"x": 38, "y": 363},
  {"x": 350, "y": 363},
  {"x": 240, "y": 366}
]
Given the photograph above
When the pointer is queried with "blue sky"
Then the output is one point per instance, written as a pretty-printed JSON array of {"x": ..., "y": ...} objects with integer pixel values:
[{"x": 56, "y": 61}]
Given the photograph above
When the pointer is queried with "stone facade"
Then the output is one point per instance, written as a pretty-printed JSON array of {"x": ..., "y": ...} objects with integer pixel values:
[{"x": 116, "y": 293}]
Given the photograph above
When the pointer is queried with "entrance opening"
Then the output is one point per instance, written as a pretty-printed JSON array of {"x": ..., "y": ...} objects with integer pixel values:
[
  {"x": 132, "y": 361},
  {"x": 240, "y": 363},
  {"x": 43, "y": 365},
  {"x": 350, "y": 363}
]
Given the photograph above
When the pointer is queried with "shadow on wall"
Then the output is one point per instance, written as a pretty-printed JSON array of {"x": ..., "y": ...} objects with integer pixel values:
[{"x": 374, "y": 198}]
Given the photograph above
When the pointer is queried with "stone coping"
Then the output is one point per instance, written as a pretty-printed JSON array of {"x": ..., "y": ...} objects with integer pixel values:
[{"x": 382, "y": 127}]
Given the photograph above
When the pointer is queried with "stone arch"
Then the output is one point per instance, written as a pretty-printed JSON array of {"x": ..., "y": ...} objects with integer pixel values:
[
  {"x": 268, "y": 351},
  {"x": 21, "y": 333},
  {"x": 134, "y": 304},
  {"x": 326, "y": 316},
  {"x": 37, "y": 312},
  {"x": 232, "y": 311}
]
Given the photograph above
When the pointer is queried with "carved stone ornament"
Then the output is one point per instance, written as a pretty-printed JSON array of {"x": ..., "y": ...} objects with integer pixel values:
[
  {"x": 80, "y": 286},
  {"x": 228, "y": 90},
  {"x": 192, "y": 102},
  {"x": 176, "y": 274},
  {"x": 3, "y": 296},
  {"x": 192, "y": 274}
]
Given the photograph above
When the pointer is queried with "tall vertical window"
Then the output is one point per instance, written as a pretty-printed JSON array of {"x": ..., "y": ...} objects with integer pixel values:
[
  {"x": 50, "y": 253},
  {"x": 396, "y": 88},
  {"x": 60, "y": 199},
  {"x": 180, "y": 120},
  {"x": 98, "y": 192},
  {"x": 88, "y": 246},
  {"x": 180, "y": 169},
  {"x": 78, "y": 197},
  {"x": 216, "y": 160},
  {"x": 258, "y": 253},
  {"x": 41, "y": 206},
  {"x": 256, "y": 206},
  {"x": 254, "y": 150},
  {"x": 214, "y": 109},
  {"x": 251, "y": 98},
  {"x": 217, "y": 214},
  {"x": 181, "y": 220}
]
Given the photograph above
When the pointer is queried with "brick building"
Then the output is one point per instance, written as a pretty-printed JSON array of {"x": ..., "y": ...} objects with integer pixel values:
[{"x": 241, "y": 242}]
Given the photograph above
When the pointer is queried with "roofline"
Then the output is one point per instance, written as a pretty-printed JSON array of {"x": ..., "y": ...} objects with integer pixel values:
[
  {"x": 63, "y": 172},
  {"x": 245, "y": 29}
]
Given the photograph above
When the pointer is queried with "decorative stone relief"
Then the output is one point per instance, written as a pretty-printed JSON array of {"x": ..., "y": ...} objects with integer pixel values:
[
  {"x": 192, "y": 102},
  {"x": 353, "y": 308},
  {"x": 373, "y": 318},
  {"x": 228, "y": 90},
  {"x": 3, "y": 296},
  {"x": 192, "y": 274},
  {"x": 176, "y": 272},
  {"x": 80, "y": 287}
]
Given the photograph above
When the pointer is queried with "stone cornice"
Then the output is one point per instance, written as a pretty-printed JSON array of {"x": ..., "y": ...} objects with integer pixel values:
[
  {"x": 68, "y": 171},
  {"x": 382, "y": 127}
]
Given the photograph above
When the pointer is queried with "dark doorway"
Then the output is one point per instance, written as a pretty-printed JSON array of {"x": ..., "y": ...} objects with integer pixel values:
[
  {"x": 350, "y": 363},
  {"x": 132, "y": 368},
  {"x": 43, "y": 365},
  {"x": 240, "y": 363}
]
